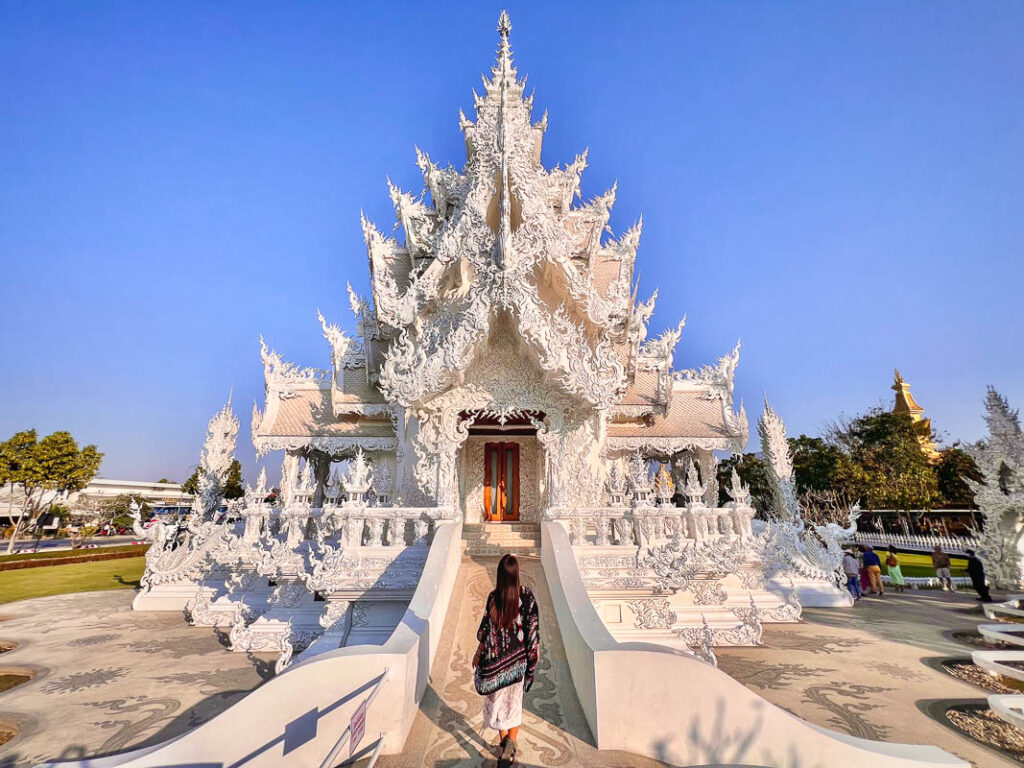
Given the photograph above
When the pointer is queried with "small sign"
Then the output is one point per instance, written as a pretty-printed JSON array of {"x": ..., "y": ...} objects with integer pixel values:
[{"x": 357, "y": 726}]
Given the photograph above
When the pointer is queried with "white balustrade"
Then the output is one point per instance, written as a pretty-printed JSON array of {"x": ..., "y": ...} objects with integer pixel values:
[
  {"x": 353, "y": 526},
  {"x": 644, "y": 525}
]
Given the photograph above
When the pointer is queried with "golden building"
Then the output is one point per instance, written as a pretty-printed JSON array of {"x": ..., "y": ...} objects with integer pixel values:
[{"x": 905, "y": 403}]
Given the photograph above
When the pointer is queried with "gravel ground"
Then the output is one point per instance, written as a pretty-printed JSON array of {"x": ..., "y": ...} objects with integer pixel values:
[
  {"x": 980, "y": 723},
  {"x": 971, "y": 673}
]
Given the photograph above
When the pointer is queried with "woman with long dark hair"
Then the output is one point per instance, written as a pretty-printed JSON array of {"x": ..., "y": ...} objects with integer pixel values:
[{"x": 506, "y": 658}]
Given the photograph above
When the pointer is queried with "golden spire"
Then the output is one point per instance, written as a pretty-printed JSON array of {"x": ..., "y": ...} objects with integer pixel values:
[{"x": 905, "y": 403}]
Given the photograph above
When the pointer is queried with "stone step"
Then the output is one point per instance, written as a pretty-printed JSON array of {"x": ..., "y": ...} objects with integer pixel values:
[
  {"x": 500, "y": 539},
  {"x": 500, "y": 531},
  {"x": 520, "y": 544},
  {"x": 500, "y": 552},
  {"x": 496, "y": 539},
  {"x": 489, "y": 550}
]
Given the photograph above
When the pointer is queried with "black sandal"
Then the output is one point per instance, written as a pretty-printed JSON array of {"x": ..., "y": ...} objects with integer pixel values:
[{"x": 508, "y": 753}]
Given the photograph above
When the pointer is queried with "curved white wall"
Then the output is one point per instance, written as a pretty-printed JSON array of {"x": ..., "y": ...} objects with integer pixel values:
[
  {"x": 296, "y": 718},
  {"x": 669, "y": 705}
]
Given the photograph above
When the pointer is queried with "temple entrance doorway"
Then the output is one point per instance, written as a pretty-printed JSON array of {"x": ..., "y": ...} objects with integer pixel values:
[
  {"x": 500, "y": 468},
  {"x": 501, "y": 482}
]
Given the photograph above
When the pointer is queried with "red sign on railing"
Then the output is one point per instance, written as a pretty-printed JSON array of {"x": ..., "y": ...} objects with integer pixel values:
[{"x": 357, "y": 727}]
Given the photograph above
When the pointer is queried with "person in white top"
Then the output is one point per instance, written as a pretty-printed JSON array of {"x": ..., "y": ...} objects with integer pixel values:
[{"x": 852, "y": 570}]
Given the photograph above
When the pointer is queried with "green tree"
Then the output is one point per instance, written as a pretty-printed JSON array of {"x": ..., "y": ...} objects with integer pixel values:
[
  {"x": 54, "y": 464},
  {"x": 955, "y": 466},
  {"x": 753, "y": 472},
  {"x": 818, "y": 465},
  {"x": 191, "y": 485},
  {"x": 163, "y": 480},
  {"x": 14, "y": 454},
  {"x": 891, "y": 471},
  {"x": 118, "y": 510},
  {"x": 233, "y": 487}
]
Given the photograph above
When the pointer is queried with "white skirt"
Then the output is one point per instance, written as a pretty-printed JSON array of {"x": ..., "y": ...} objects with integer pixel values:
[{"x": 503, "y": 709}]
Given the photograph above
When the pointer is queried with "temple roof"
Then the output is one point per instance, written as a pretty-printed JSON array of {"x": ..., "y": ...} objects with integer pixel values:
[
  {"x": 643, "y": 390},
  {"x": 309, "y": 413},
  {"x": 692, "y": 417},
  {"x": 501, "y": 239}
]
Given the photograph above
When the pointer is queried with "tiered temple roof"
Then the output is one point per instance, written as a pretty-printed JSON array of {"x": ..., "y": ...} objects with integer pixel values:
[{"x": 502, "y": 236}]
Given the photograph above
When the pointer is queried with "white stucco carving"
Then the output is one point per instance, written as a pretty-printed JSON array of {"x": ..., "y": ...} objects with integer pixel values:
[{"x": 1000, "y": 495}]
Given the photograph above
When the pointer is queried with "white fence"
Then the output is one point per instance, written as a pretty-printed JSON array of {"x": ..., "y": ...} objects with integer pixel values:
[{"x": 924, "y": 542}]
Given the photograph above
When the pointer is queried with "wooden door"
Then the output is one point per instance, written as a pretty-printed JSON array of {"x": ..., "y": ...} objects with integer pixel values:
[{"x": 501, "y": 481}]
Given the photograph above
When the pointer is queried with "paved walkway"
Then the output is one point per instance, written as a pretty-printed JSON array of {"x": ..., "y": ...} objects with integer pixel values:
[
  {"x": 107, "y": 679},
  {"x": 871, "y": 670},
  {"x": 448, "y": 728}
]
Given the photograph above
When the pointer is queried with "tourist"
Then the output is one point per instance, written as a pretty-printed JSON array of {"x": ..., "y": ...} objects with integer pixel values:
[
  {"x": 976, "y": 570},
  {"x": 873, "y": 565},
  {"x": 893, "y": 570},
  {"x": 852, "y": 570},
  {"x": 940, "y": 561},
  {"x": 506, "y": 658},
  {"x": 865, "y": 580}
]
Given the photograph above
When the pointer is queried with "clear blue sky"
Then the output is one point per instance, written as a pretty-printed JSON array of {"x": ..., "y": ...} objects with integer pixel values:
[{"x": 839, "y": 184}]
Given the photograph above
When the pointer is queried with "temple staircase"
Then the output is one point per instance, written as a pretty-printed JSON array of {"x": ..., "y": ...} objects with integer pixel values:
[{"x": 496, "y": 539}]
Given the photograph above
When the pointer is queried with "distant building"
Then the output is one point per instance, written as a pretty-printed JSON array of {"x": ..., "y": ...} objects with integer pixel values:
[
  {"x": 163, "y": 498},
  {"x": 905, "y": 403}
]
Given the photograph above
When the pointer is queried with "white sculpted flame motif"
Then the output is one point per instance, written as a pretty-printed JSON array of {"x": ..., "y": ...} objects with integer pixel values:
[
  {"x": 789, "y": 546},
  {"x": 1000, "y": 497}
]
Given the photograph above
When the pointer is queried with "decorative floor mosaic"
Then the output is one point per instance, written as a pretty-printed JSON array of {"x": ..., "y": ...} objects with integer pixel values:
[
  {"x": 868, "y": 670},
  {"x": 105, "y": 678}
]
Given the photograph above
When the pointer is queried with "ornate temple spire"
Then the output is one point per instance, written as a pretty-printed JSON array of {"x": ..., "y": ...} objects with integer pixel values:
[
  {"x": 505, "y": 67},
  {"x": 905, "y": 403},
  {"x": 504, "y": 71}
]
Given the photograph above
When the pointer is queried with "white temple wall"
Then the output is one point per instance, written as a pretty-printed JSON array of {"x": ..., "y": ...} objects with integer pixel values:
[
  {"x": 573, "y": 466},
  {"x": 471, "y": 476}
]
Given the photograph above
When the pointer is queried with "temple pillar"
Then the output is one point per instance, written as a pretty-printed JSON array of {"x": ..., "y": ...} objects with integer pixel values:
[
  {"x": 289, "y": 475},
  {"x": 677, "y": 465},
  {"x": 321, "y": 474},
  {"x": 707, "y": 465}
]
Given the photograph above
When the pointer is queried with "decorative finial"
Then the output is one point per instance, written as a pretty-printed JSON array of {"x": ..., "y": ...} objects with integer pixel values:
[{"x": 504, "y": 25}]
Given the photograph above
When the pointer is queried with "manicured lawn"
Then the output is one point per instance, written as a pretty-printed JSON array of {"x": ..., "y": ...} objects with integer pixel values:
[
  {"x": 77, "y": 577},
  {"x": 921, "y": 565}
]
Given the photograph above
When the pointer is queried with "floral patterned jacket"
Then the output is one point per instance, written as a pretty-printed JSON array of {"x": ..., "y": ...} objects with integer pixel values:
[{"x": 509, "y": 644}]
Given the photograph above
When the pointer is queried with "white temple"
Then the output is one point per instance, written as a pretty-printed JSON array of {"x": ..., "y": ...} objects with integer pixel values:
[
  {"x": 501, "y": 372},
  {"x": 499, "y": 389}
]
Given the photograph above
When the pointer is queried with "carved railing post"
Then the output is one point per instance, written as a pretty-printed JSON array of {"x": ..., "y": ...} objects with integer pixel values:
[
  {"x": 376, "y": 529},
  {"x": 623, "y": 531},
  {"x": 397, "y": 530},
  {"x": 421, "y": 527}
]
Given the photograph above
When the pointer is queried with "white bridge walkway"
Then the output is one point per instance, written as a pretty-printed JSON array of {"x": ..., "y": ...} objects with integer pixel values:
[{"x": 447, "y": 731}]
